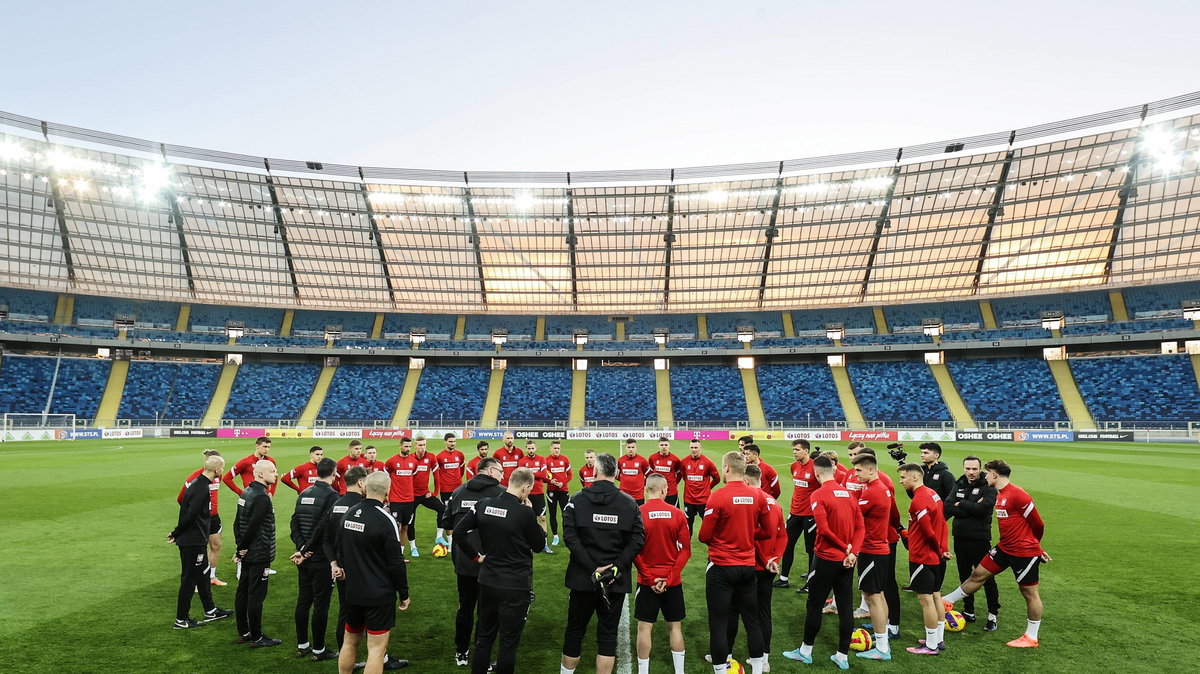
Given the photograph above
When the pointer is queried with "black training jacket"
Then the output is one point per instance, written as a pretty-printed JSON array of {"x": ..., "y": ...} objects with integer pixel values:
[
  {"x": 601, "y": 525},
  {"x": 254, "y": 526},
  {"x": 508, "y": 536},
  {"x": 973, "y": 514},
  {"x": 462, "y": 501},
  {"x": 939, "y": 478},
  {"x": 192, "y": 528},
  {"x": 334, "y": 525},
  {"x": 368, "y": 549},
  {"x": 310, "y": 520}
]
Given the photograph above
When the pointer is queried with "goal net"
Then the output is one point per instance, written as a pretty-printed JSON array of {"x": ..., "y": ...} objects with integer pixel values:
[{"x": 28, "y": 427}]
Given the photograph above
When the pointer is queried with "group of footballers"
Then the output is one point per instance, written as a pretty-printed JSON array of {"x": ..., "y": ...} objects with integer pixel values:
[{"x": 848, "y": 518}]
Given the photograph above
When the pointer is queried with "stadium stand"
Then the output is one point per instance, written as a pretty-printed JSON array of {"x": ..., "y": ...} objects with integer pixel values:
[
  {"x": 620, "y": 394},
  {"x": 676, "y": 324},
  {"x": 641, "y": 345},
  {"x": 451, "y": 393},
  {"x": 22, "y": 328},
  {"x": 761, "y": 321},
  {"x": 1160, "y": 300},
  {"x": 815, "y": 320},
  {"x": 462, "y": 345},
  {"x": 1138, "y": 388},
  {"x": 951, "y": 313},
  {"x": 165, "y": 390},
  {"x": 308, "y": 320},
  {"x": 25, "y": 383},
  {"x": 268, "y": 391},
  {"x": 28, "y": 305},
  {"x": 1125, "y": 327},
  {"x": 897, "y": 391},
  {"x": 271, "y": 340},
  {"x": 1023, "y": 310},
  {"x": 536, "y": 394},
  {"x": 90, "y": 310},
  {"x": 79, "y": 386},
  {"x": 704, "y": 344},
  {"x": 992, "y": 335},
  {"x": 798, "y": 392},
  {"x": 169, "y": 336},
  {"x": 519, "y": 327},
  {"x": 1007, "y": 389},
  {"x": 557, "y": 326},
  {"x": 363, "y": 394},
  {"x": 771, "y": 342},
  {"x": 216, "y": 316},
  {"x": 702, "y": 393},
  {"x": 435, "y": 326},
  {"x": 901, "y": 338}
]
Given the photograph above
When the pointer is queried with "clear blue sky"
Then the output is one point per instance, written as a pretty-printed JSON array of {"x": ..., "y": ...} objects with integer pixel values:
[{"x": 583, "y": 85}]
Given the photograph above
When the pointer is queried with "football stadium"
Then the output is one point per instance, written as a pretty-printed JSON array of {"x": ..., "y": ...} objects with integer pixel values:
[{"x": 1030, "y": 295}]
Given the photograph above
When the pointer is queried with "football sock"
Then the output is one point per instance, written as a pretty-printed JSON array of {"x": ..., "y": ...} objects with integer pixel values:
[
  {"x": 931, "y": 638},
  {"x": 677, "y": 660},
  {"x": 756, "y": 665},
  {"x": 992, "y": 616},
  {"x": 862, "y": 605},
  {"x": 941, "y": 628},
  {"x": 562, "y": 669},
  {"x": 881, "y": 642},
  {"x": 212, "y": 572},
  {"x": 719, "y": 669},
  {"x": 1032, "y": 629},
  {"x": 782, "y": 577},
  {"x": 302, "y": 646},
  {"x": 806, "y": 650},
  {"x": 955, "y": 596},
  {"x": 643, "y": 665}
]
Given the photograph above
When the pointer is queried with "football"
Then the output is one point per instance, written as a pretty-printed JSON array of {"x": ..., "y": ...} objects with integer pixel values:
[
  {"x": 733, "y": 667},
  {"x": 440, "y": 550},
  {"x": 955, "y": 622},
  {"x": 861, "y": 640}
]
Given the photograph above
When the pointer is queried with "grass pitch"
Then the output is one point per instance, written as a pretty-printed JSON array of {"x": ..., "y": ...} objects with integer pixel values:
[{"x": 87, "y": 583}]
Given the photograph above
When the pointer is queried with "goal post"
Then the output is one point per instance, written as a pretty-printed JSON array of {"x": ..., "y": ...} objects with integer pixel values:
[{"x": 19, "y": 427}]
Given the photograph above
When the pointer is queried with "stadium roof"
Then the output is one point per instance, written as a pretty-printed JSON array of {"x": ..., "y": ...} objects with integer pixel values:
[{"x": 1104, "y": 200}]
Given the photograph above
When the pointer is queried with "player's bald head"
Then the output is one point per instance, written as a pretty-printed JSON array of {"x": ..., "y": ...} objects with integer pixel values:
[
  {"x": 656, "y": 486},
  {"x": 214, "y": 463},
  {"x": 264, "y": 469}
]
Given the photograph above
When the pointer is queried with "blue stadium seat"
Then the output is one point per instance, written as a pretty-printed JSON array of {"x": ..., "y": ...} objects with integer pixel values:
[
  {"x": 217, "y": 316},
  {"x": 483, "y": 324},
  {"x": 150, "y": 313},
  {"x": 951, "y": 313},
  {"x": 761, "y": 321},
  {"x": 363, "y": 394},
  {"x": 82, "y": 331},
  {"x": 1123, "y": 327},
  {"x": 1007, "y": 389},
  {"x": 676, "y": 324},
  {"x": 853, "y": 318},
  {"x": 168, "y": 390},
  {"x": 25, "y": 383},
  {"x": 316, "y": 321},
  {"x": 31, "y": 305},
  {"x": 459, "y": 345},
  {"x": 569, "y": 323},
  {"x": 432, "y": 324},
  {"x": 640, "y": 345},
  {"x": 1160, "y": 300},
  {"x": 798, "y": 393},
  {"x": 773, "y": 342},
  {"x": 536, "y": 394},
  {"x": 271, "y": 340},
  {"x": 992, "y": 335},
  {"x": 271, "y": 391},
  {"x": 1016, "y": 310},
  {"x": 21, "y": 327},
  {"x": 705, "y": 393},
  {"x": 901, "y": 338},
  {"x": 1138, "y": 388},
  {"x": 618, "y": 395},
  {"x": 171, "y": 337},
  {"x": 897, "y": 391},
  {"x": 79, "y": 386},
  {"x": 704, "y": 344},
  {"x": 451, "y": 393}
]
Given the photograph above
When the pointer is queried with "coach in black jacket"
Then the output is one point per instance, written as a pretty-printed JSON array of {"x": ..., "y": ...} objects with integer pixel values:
[
  {"x": 509, "y": 534},
  {"x": 191, "y": 535},
  {"x": 937, "y": 475},
  {"x": 309, "y": 522},
  {"x": 971, "y": 507},
  {"x": 254, "y": 531},
  {"x": 485, "y": 484},
  {"x": 371, "y": 559},
  {"x": 603, "y": 530}
]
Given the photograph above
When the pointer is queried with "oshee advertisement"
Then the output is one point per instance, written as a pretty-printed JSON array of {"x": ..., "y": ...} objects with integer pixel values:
[
  {"x": 193, "y": 432},
  {"x": 1105, "y": 436},
  {"x": 540, "y": 435},
  {"x": 1044, "y": 436},
  {"x": 985, "y": 436}
]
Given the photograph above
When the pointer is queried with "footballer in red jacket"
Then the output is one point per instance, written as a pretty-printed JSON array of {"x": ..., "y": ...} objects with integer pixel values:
[
  {"x": 450, "y": 467},
  {"x": 427, "y": 467},
  {"x": 244, "y": 468},
  {"x": 558, "y": 487},
  {"x": 770, "y": 478},
  {"x": 305, "y": 475},
  {"x": 536, "y": 463},
  {"x": 354, "y": 457},
  {"x": 483, "y": 451},
  {"x": 800, "y": 521},
  {"x": 587, "y": 472},
  {"x": 509, "y": 454},
  {"x": 631, "y": 471},
  {"x": 767, "y": 552},
  {"x": 928, "y": 550},
  {"x": 700, "y": 475},
  {"x": 660, "y": 564},
  {"x": 665, "y": 463},
  {"x": 1019, "y": 549}
]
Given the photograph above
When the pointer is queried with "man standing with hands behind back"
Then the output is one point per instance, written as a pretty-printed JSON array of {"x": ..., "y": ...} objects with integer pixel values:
[{"x": 254, "y": 529}]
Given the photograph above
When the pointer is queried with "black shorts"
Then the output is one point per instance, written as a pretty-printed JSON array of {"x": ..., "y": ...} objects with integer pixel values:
[
  {"x": 926, "y": 578},
  {"x": 672, "y": 499},
  {"x": 374, "y": 619},
  {"x": 1024, "y": 568},
  {"x": 693, "y": 510},
  {"x": 647, "y": 604},
  {"x": 403, "y": 511},
  {"x": 445, "y": 496},
  {"x": 538, "y": 501},
  {"x": 214, "y": 525},
  {"x": 872, "y": 572}
]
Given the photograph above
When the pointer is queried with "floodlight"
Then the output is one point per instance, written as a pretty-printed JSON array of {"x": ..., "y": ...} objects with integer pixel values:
[
  {"x": 836, "y": 360},
  {"x": 416, "y": 363},
  {"x": 580, "y": 337},
  {"x": 745, "y": 334},
  {"x": 835, "y": 331},
  {"x": 1054, "y": 353},
  {"x": 579, "y": 364},
  {"x": 935, "y": 358},
  {"x": 1158, "y": 144},
  {"x": 81, "y": 185},
  {"x": 417, "y": 336},
  {"x": 717, "y": 196},
  {"x": 524, "y": 201},
  {"x": 932, "y": 327},
  {"x": 155, "y": 177},
  {"x": 662, "y": 364},
  {"x": 745, "y": 362}
]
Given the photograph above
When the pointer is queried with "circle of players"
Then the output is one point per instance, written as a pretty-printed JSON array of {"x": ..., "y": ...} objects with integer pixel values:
[{"x": 847, "y": 518}]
